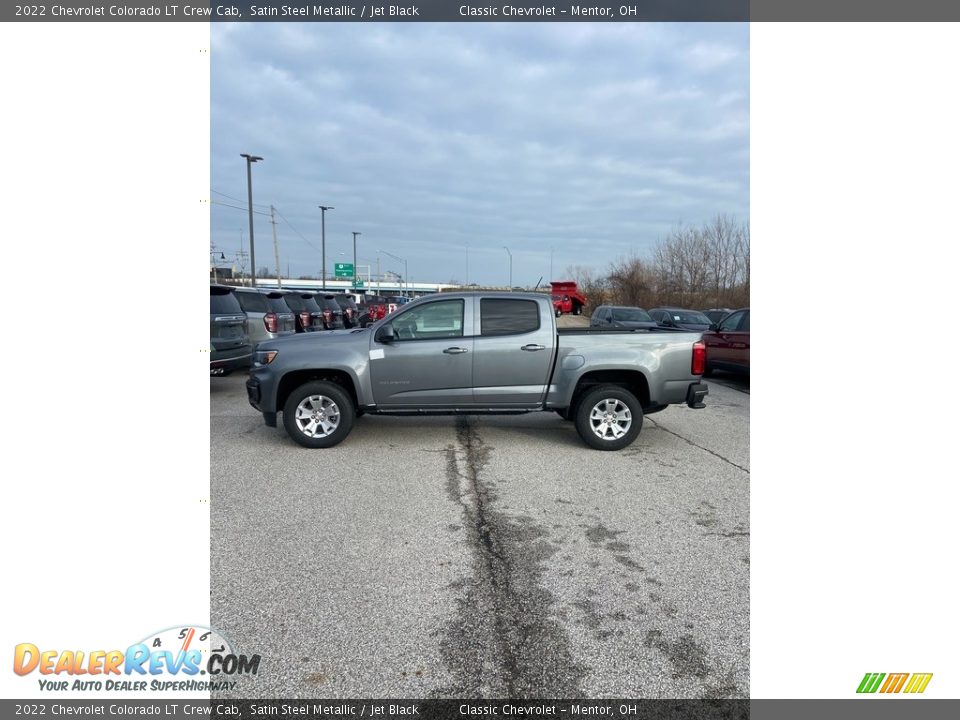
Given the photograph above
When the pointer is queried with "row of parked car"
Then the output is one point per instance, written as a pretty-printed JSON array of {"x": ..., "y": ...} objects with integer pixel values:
[
  {"x": 726, "y": 332},
  {"x": 241, "y": 317}
]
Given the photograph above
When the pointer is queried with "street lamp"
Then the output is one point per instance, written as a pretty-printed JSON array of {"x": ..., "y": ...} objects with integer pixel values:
[
  {"x": 253, "y": 261},
  {"x": 511, "y": 265},
  {"x": 323, "y": 242},
  {"x": 405, "y": 286},
  {"x": 355, "y": 259}
]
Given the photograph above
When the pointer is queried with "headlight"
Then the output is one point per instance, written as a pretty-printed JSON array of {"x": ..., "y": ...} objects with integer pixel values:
[{"x": 264, "y": 357}]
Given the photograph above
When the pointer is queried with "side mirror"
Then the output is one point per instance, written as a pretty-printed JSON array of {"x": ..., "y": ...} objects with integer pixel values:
[
  {"x": 609, "y": 321},
  {"x": 714, "y": 327},
  {"x": 385, "y": 334}
]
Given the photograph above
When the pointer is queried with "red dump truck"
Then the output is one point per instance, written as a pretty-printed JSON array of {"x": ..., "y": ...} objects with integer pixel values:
[{"x": 566, "y": 298}]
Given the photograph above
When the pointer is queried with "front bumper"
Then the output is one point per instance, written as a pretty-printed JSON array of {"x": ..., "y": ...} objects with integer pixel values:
[{"x": 254, "y": 397}]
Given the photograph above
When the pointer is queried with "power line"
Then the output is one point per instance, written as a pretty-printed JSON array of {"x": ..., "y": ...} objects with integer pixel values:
[
  {"x": 297, "y": 231},
  {"x": 230, "y": 197},
  {"x": 236, "y": 207}
]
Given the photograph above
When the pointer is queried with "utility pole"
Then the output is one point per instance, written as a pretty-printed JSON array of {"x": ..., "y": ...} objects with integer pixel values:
[
  {"x": 355, "y": 259},
  {"x": 276, "y": 248},
  {"x": 253, "y": 262},
  {"x": 467, "y": 280},
  {"x": 511, "y": 266},
  {"x": 379, "y": 276},
  {"x": 323, "y": 242}
]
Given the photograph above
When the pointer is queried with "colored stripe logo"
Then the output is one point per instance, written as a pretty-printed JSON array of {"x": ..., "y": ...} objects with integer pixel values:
[{"x": 894, "y": 683}]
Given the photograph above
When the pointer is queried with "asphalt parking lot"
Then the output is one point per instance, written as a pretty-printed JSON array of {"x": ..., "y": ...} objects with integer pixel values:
[{"x": 484, "y": 556}]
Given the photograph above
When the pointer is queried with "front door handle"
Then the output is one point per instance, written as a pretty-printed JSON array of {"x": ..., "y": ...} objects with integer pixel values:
[
  {"x": 455, "y": 351},
  {"x": 533, "y": 348}
]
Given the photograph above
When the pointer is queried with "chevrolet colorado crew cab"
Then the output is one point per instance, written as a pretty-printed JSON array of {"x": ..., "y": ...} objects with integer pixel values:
[{"x": 471, "y": 354}]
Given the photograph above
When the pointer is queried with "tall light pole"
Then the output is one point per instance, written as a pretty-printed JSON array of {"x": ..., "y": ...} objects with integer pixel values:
[
  {"x": 511, "y": 265},
  {"x": 551, "y": 263},
  {"x": 323, "y": 242},
  {"x": 355, "y": 259},
  {"x": 253, "y": 261},
  {"x": 467, "y": 281},
  {"x": 403, "y": 260}
]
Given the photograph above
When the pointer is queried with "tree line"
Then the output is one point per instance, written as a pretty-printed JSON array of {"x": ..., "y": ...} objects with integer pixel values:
[{"x": 693, "y": 267}]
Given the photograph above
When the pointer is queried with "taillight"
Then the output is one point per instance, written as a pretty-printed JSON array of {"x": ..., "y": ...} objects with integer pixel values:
[
  {"x": 699, "y": 362},
  {"x": 305, "y": 318},
  {"x": 271, "y": 322}
]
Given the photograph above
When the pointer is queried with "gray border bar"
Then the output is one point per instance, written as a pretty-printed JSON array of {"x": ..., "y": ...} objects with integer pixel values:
[
  {"x": 874, "y": 708},
  {"x": 482, "y": 11},
  {"x": 379, "y": 11}
]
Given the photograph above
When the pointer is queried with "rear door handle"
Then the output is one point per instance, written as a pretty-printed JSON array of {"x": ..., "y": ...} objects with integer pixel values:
[
  {"x": 533, "y": 348},
  {"x": 455, "y": 351}
]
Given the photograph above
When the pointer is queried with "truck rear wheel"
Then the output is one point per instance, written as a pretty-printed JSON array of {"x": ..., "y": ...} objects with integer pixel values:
[
  {"x": 608, "y": 417},
  {"x": 318, "y": 414}
]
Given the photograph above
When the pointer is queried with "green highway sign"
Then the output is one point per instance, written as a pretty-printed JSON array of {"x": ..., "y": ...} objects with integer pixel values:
[
  {"x": 343, "y": 270},
  {"x": 358, "y": 283}
]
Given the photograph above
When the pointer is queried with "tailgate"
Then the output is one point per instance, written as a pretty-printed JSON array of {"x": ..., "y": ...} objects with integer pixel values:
[{"x": 228, "y": 331}]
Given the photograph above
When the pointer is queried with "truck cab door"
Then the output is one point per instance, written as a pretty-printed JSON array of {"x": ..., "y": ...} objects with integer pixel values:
[
  {"x": 514, "y": 346},
  {"x": 428, "y": 363}
]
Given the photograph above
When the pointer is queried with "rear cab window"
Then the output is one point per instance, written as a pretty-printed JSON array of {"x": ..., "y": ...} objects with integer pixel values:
[{"x": 502, "y": 316}]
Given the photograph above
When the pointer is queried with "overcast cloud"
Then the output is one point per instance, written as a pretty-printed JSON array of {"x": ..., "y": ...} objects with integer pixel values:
[{"x": 593, "y": 139}]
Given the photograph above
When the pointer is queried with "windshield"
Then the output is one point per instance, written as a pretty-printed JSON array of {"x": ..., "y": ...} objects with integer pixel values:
[
  {"x": 630, "y": 315},
  {"x": 688, "y": 318}
]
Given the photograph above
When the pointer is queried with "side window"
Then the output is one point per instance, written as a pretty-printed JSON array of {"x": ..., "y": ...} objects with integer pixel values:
[
  {"x": 508, "y": 317},
  {"x": 730, "y": 323},
  {"x": 745, "y": 325},
  {"x": 442, "y": 319}
]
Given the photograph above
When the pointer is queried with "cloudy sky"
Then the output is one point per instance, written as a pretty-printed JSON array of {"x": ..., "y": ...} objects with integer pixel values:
[{"x": 429, "y": 139}]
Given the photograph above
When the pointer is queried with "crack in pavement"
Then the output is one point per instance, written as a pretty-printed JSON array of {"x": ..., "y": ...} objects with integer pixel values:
[
  {"x": 691, "y": 442},
  {"x": 503, "y": 641}
]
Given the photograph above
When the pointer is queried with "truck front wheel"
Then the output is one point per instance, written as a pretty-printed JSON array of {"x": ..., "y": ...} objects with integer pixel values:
[
  {"x": 608, "y": 417},
  {"x": 318, "y": 414}
]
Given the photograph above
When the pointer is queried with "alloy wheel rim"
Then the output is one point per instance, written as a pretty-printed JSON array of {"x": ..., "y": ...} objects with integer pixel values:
[
  {"x": 610, "y": 419},
  {"x": 317, "y": 416}
]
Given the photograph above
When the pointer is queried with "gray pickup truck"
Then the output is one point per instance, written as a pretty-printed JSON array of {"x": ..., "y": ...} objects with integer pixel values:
[{"x": 476, "y": 353}]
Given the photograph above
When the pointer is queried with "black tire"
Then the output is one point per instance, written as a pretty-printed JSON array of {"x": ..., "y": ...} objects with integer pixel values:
[
  {"x": 321, "y": 392},
  {"x": 597, "y": 432},
  {"x": 558, "y": 312},
  {"x": 577, "y": 309}
]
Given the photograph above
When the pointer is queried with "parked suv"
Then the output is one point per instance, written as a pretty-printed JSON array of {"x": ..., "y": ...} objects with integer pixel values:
[
  {"x": 308, "y": 314},
  {"x": 620, "y": 316},
  {"x": 332, "y": 314},
  {"x": 351, "y": 313},
  {"x": 230, "y": 347},
  {"x": 680, "y": 318},
  {"x": 268, "y": 316}
]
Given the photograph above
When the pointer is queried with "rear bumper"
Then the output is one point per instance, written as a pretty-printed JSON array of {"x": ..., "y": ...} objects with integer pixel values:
[
  {"x": 695, "y": 395},
  {"x": 226, "y": 361}
]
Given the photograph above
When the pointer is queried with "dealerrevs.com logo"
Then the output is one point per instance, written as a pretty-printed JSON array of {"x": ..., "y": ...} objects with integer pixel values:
[
  {"x": 183, "y": 658},
  {"x": 894, "y": 683}
]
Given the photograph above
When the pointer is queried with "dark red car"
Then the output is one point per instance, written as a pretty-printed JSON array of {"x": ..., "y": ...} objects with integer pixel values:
[
  {"x": 728, "y": 343},
  {"x": 373, "y": 308}
]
